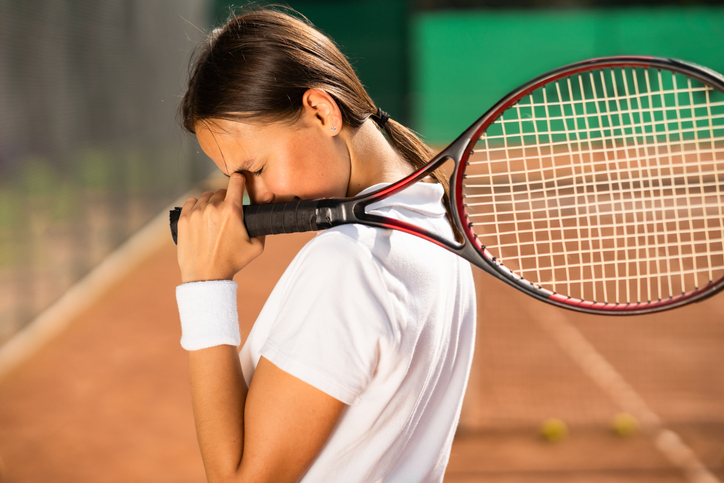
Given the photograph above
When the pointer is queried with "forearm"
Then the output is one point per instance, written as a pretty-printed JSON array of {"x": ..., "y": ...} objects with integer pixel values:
[{"x": 218, "y": 392}]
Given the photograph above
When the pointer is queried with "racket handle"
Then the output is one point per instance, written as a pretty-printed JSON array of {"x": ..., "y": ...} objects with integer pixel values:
[
  {"x": 290, "y": 217},
  {"x": 275, "y": 218}
]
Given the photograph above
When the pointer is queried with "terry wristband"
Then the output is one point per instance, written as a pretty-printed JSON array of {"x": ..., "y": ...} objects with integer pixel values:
[{"x": 208, "y": 314}]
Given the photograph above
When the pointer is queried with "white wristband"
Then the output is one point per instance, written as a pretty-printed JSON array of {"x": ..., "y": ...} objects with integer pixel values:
[{"x": 208, "y": 314}]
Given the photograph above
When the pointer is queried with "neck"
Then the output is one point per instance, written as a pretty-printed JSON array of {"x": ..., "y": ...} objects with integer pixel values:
[{"x": 373, "y": 159}]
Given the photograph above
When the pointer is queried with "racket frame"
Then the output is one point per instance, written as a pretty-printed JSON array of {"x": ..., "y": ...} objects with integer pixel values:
[{"x": 489, "y": 263}]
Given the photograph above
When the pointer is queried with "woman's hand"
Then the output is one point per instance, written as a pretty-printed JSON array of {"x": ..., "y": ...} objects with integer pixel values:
[{"x": 212, "y": 240}]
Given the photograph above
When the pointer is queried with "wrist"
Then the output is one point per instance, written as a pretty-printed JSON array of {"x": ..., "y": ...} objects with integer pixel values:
[
  {"x": 196, "y": 276},
  {"x": 208, "y": 314}
]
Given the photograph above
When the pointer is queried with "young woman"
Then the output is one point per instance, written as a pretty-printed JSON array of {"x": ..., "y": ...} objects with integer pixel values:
[{"x": 356, "y": 368}]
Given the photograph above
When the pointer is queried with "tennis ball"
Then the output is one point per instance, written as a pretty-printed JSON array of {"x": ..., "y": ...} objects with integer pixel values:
[
  {"x": 624, "y": 424},
  {"x": 553, "y": 430}
]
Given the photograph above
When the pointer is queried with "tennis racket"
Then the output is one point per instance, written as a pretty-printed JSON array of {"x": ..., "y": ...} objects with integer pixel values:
[{"x": 596, "y": 187}]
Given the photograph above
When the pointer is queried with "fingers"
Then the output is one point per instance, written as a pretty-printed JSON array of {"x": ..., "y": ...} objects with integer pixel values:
[
  {"x": 195, "y": 203},
  {"x": 188, "y": 205},
  {"x": 213, "y": 243},
  {"x": 235, "y": 192},
  {"x": 208, "y": 197},
  {"x": 204, "y": 199}
]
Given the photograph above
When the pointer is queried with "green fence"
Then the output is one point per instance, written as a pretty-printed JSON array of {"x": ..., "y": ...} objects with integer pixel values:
[{"x": 463, "y": 62}]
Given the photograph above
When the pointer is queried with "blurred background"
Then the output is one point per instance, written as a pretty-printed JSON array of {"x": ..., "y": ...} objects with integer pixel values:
[
  {"x": 91, "y": 152},
  {"x": 89, "y": 147}
]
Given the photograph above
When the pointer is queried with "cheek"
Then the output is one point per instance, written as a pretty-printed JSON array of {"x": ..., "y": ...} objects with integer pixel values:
[
  {"x": 328, "y": 174},
  {"x": 319, "y": 170}
]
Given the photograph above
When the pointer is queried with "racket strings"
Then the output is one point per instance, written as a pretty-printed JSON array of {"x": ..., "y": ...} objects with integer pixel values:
[{"x": 605, "y": 186}]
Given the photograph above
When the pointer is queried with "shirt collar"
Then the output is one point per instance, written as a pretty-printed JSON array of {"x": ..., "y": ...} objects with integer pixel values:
[{"x": 420, "y": 197}]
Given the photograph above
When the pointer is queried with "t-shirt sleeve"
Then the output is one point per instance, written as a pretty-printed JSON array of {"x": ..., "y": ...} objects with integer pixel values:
[{"x": 333, "y": 315}]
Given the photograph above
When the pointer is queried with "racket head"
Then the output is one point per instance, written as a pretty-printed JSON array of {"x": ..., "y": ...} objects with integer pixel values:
[{"x": 599, "y": 186}]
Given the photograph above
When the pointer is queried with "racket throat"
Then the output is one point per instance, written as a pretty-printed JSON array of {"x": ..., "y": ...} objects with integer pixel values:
[{"x": 335, "y": 213}]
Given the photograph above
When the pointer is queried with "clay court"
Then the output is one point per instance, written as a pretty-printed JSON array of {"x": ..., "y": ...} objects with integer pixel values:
[{"x": 108, "y": 399}]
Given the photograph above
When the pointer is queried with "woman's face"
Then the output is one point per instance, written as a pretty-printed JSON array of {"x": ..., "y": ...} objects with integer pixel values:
[{"x": 281, "y": 162}]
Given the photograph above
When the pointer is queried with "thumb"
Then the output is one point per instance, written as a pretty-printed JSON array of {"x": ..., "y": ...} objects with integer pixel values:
[{"x": 235, "y": 191}]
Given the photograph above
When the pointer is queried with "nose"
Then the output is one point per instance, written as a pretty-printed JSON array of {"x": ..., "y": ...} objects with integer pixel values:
[{"x": 257, "y": 190}]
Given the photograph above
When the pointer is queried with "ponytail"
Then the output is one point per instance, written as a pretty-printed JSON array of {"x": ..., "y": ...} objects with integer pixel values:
[{"x": 417, "y": 153}]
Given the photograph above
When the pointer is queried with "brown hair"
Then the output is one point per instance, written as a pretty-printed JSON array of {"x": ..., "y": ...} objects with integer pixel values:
[{"x": 260, "y": 63}]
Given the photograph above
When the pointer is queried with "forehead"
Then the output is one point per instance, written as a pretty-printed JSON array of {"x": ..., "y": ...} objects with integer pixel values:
[
  {"x": 228, "y": 133},
  {"x": 226, "y": 137},
  {"x": 228, "y": 143},
  {"x": 221, "y": 130}
]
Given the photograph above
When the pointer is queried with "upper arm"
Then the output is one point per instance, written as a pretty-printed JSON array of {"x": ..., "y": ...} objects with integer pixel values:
[{"x": 286, "y": 424}]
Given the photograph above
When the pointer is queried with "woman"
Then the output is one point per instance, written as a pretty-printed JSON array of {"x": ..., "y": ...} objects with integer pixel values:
[{"x": 356, "y": 368}]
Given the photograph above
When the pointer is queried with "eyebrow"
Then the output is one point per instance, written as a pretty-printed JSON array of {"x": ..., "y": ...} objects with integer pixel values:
[{"x": 245, "y": 166}]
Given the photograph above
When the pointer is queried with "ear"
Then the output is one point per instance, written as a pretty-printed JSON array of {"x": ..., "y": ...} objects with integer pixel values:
[{"x": 322, "y": 109}]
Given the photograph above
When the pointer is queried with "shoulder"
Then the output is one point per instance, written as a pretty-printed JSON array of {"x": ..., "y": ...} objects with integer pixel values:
[
  {"x": 337, "y": 263},
  {"x": 342, "y": 242},
  {"x": 341, "y": 251}
]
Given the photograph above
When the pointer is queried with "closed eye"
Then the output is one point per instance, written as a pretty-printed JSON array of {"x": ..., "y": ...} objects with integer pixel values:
[{"x": 241, "y": 171}]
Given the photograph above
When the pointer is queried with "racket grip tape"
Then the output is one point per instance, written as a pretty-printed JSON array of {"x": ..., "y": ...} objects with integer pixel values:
[
  {"x": 289, "y": 217},
  {"x": 274, "y": 218}
]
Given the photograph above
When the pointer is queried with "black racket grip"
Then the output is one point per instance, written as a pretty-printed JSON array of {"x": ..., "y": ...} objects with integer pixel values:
[
  {"x": 274, "y": 218},
  {"x": 173, "y": 217},
  {"x": 289, "y": 217}
]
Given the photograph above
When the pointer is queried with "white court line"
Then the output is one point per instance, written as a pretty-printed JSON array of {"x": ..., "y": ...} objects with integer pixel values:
[
  {"x": 53, "y": 320},
  {"x": 603, "y": 374}
]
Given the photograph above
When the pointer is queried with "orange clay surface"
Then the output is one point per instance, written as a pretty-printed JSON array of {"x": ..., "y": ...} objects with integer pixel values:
[{"x": 108, "y": 400}]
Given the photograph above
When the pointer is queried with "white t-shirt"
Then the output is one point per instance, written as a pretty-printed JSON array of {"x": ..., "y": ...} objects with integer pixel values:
[{"x": 383, "y": 321}]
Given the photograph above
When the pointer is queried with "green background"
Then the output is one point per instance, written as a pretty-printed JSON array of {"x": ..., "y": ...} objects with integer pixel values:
[
  {"x": 438, "y": 70},
  {"x": 463, "y": 62}
]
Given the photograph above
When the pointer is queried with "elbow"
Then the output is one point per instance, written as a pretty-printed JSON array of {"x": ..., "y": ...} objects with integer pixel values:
[
  {"x": 223, "y": 477},
  {"x": 224, "y": 474}
]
